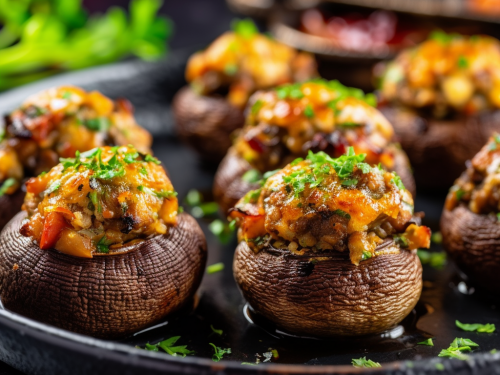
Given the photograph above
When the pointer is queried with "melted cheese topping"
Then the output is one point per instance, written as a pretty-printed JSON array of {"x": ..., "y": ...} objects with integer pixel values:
[
  {"x": 446, "y": 72},
  {"x": 284, "y": 123},
  {"x": 246, "y": 63},
  {"x": 317, "y": 205},
  {"x": 99, "y": 201},
  {"x": 60, "y": 121}
]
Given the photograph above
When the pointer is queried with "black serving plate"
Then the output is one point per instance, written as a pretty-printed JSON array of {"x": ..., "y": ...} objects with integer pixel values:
[{"x": 36, "y": 348}]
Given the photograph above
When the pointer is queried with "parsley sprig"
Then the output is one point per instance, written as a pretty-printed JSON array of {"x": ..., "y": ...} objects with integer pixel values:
[
  {"x": 457, "y": 349},
  {"x": 365, "y": 363},
  {"x": 8, "y": 183},
  {"x": 487, "y": 328},
  {"x": 219, "y": 352},
  {"x": 168, "y": 346}
]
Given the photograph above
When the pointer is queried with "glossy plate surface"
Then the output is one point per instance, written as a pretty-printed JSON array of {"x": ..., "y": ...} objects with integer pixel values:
[{"x": 35, "y": 348}]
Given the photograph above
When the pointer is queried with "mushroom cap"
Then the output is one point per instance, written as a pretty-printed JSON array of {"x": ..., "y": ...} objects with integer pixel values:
[
  {"x": 105, "y": 296},
  {"x": 438, "y": 149},
  {"x": 10, "y": 205},
  {"x": 332, "y": 296},
  {"x": 473, "y": 242},
  {"x": 206, "y": 122},
  {"x": 229, "y": 187}
]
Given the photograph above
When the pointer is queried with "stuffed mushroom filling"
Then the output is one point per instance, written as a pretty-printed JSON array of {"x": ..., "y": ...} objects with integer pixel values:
[
  {"x": 322, "y": 204},
  {"x": 321, "y": 115},
  {"x": 479, "y": 186},
  {"x": 242, "y": 61},
  {"x": 57, "y": 123},
  {"x": 99, "y": 202},
  {"x": 446, "y": 74}
]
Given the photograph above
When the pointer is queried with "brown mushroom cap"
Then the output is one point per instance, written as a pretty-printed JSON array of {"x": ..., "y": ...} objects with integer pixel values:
[
  {"x": 229, "y": 187},
  {"x": 206, "y": 122},
  {"x": 332, "y": 297},
  {"x": 438, "y": 149},
  {"x": 473, "y": 242},
  {"x": 105, "y": 296},
  {"x": 10, "y": 205}
]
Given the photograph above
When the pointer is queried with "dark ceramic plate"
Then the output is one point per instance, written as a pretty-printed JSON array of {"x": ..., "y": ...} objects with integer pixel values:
[{"x": 36, "y": 348}]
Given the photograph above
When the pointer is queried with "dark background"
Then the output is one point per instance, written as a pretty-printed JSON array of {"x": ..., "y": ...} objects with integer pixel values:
[{"x": 196, "y": 22}]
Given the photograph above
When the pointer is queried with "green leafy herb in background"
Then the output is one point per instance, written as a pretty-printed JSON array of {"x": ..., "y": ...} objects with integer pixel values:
[
  {"x": 366, "y": 363},
  {"x": 219, "y": 352},
  {"x": 214, "y": 268},
  {"x": 457, "y": 349},
  {"x": 8, "y": 183},
  {"x": 427, "y": 342},
  {"x": 487, "y": 328},
  {"x": 434, "y": 259},
  {"x": 43, "y": 37},
  {"x": 168, "y": 346}
]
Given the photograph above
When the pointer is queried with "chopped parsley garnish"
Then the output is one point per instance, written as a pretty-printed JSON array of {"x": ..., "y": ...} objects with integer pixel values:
[
  {"x": 256, "y": 107},
  {"x": 151, "y": 159},
  {"x": 400, "y": 240},
  {"x": 219, "y": 352},
  {"x": 167, "y": 194},
  {"x": 459, "y": 193},
  {"x": 222, "y": 230},
  {"x": 427, "y": 342},
  {"x": 462, "y": 62},
  {"x": 143, "y": 171},
  {"x": 252, "y": 176},
  {"x": 442, "y": 37},
  {"x": 103, "y": 245},
  {"x": 130, "y": 157},
  {"x": 487, "y": 328},
  {"x": 290, "y": 91},
  {"x": 365, "y": 363},
  {"x": 309, "y": 111},
  {"x": 53, "y": 187},
  {"x": 100, "y": 124},
  {"x": 436, "y": 238},
  {"x": 214, "y": 268},
  {"x": 439, "y": 366},
  {"x": 231, "y": 69},
  {"x": 496, "y": 141},
  {"x": 168, "y": 346},
  {"x": 2, "y": 134},
  {"x": 366, "y": 255},
  {"x": 198, "y": 208},
  {"x": 396, "y": 180},
  {"x": 245, "y": 28},
  {"x": 457, "y": 349},
  {"x": 342, "y": 213},
  {"x": 8, "y": 183},
  {"x": 216, "y": 331},
  {"x": 434, "y": 259},
  {"x": 66, "y": 95}
]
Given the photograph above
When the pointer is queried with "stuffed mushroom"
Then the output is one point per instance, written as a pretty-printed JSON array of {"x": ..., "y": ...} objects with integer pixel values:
[
  {"x": 222, "y": 78},
  {"x": 100, "y": 248},
  {"x": 443, "y": 99},
  {"x": 319, "y": 115},
  {"x": 470, "y": 223},
  {"x": 328, "y": 247},
  {"x": 57, "y": 123}
]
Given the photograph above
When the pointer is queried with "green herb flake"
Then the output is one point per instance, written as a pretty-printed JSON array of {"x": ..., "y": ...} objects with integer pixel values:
[
  {"x": 216, "y": 331},
  {"x": 486, "y": 328},
  {"x": 396, "y": 180},
  {"x": 103, "y": 245},
  {"x": 457, "y": 349},
  {"x": 309, "y": 111},
  {"x": 437, "y": 238},
  {"x": 427, "y": 342},
  {"x": 493, "y": 351},
  {"x": 223, "y": 231},
  {"x": 245, "y": 28},
  {"x": 53, "y": 187},
  {"x": 219, "y": 352},
  {"x": 434, "y": 259},
  {"x": 168, "y": 346},
  {"x": 256, "y": 107},
  {"x": 8, "y": 183},
  {"x": 231, "y": 69},
  {"x": 99, "y": 124},
  {"x": 151, "y": 159},
  {"x": 366, "y": 255},
  {"x": 342, "y": 213},
  {"x": 214, "y": 268},
  {"x": 459, "y": 193},
  {"x": 143, "y": 171},
  {"x": 66, "y": 95},
  {"x": 439, "y": 366},
  {"x": 193, "y": 197},
  {"x": 252, "y": 176},
  {"x": 462, "y": 62},
  {"x": 130, "y": 157},
  {"x": 365, "y": 363},
  {"x": 167, "y": 194}
]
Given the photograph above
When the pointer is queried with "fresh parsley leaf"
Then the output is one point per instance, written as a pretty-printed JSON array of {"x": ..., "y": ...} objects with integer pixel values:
[
  {"x": 342, "y": 213},
  {"x": 427, "y": 342},
  {"x": 130, "y": 157},
  {"x": 66, "y": 95},
  {"x": 457, "y": 349},
  {"x": 222, "y": 230},
  {"x": 193, "y": 197},
  {"x": 143, "y": 171},
  {"x": 167, "y": 194},
  {"x": 488, "y": 328},
  {"x": 396, "y": 180},
  {"x": 365, "y": 363},
  {"x": 439, "y": 366},
  {"x": 168, "y": 346},
  {"x": 219, "y": 352},
  {"x": 8, "y": 183},
  {"x": 216, "y": 331},
  {"x": 251, "y": 176},
  {"x": 99, "y": 124},
  {"x": 256, "y": 107},
  {"x": 53, "y": 187},
  {"x": 434, "y": 259},
  {"x": 151, "y": 159},
  {"x": 245, "y": 28},
  {"x": 103, "y": 245},
  {"x": 366, "y": 255},
  {"x": 309, "y": 111},
  {"x": 437, "y": 237},
  {"x": 214, "y": 268},
  {"x": 462, "y": 62}
]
